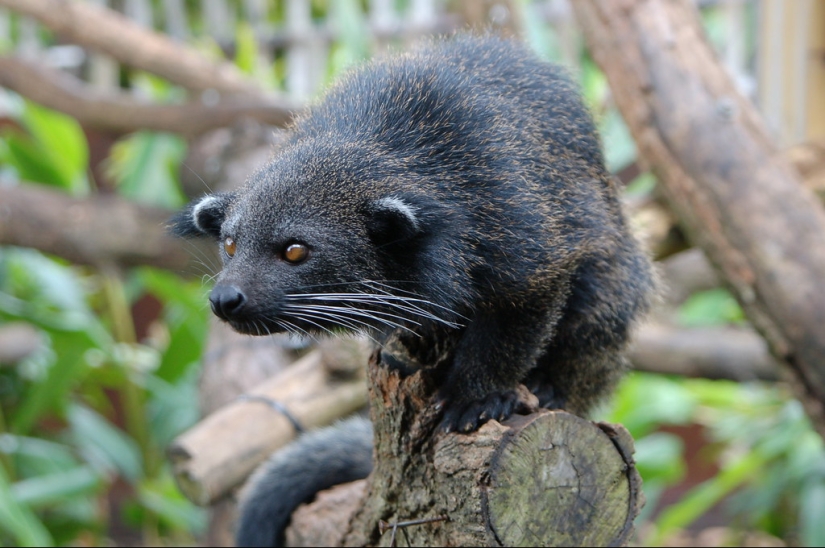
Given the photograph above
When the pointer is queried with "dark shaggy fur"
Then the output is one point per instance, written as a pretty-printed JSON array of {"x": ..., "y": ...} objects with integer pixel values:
[
  {"x": 317, "y": 461},
  {"x": 459, "y": 193}
]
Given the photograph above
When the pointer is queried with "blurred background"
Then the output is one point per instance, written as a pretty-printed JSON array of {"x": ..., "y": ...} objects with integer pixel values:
[{"x": 107, "y": 348}]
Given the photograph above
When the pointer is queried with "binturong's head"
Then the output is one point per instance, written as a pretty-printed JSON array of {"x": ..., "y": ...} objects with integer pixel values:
[{"x": 312, "y": 252}]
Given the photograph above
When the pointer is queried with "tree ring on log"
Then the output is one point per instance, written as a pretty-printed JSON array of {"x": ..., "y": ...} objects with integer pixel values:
[{"x": 559, "y": 478}]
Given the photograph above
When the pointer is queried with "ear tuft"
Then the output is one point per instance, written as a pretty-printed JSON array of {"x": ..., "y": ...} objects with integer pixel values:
[
  {"x": 201, "y": 217},
  {"x": 393, "y": 220}
]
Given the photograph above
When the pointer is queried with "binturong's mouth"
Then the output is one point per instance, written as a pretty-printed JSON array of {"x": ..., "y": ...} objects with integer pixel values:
[{"x": 373, "y": 309}]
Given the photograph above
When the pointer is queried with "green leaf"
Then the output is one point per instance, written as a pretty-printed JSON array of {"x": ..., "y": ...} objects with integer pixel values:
[
  {"x": 711, "y": 307},
  {"x": 18, "y": 520},
  {"x": 353, "y": 45},
  {"x": 173, "y": 407},
  {"x": 703, "y": 497},
  {"x": 28, "y": 159},
  {"x": 36, "y": 457},
  {"x": 63, "y": 143},
  {"x": 645, "y": 401},
  {"x": 246, "y": 50},
  {"x": 145, "y": 166},
  {"x": 104, "y": 444},
  {"x": 812, "y": 511},
  {"x": 62, "y": 486},
  {"x": 164, "y": 499},
  {"x": 659, "y": 457},
  {"x": 53, "y": 392}
]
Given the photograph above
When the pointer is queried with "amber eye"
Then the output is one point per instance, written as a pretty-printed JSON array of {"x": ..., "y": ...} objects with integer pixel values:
[
  {"x": 296, "y": 253},
  {"x": 229, "y": 246}
]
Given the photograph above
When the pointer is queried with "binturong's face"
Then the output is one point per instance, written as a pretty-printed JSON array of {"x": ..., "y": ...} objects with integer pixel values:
[{"x": 309, "y": 262}]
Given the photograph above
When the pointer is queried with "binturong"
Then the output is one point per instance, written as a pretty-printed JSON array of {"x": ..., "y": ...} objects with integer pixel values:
[{"x": 456, "y": 193}]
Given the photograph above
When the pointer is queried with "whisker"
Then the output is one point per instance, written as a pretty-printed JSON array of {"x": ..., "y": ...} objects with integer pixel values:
[{"x": 357, "y": 312}]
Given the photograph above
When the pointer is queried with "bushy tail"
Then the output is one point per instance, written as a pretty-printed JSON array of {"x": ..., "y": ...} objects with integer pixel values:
[{"x": 293, "y": 475}]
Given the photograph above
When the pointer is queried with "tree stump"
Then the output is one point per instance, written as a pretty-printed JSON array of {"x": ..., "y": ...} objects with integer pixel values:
[{"x": 547, "y": 478}]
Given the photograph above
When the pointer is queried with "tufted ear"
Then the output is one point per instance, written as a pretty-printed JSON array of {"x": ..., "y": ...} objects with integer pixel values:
[
  {"x": 203, "y": 216},
  {"x": 393, "y": 220}
]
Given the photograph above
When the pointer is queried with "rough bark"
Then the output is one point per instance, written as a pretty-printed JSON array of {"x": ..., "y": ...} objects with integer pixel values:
[
  {"x": 218, "y": 453},
  {"x": 119, "y": 112},
  {"x": 735, "y": 195},
  {"x": 548, "y": 478}
]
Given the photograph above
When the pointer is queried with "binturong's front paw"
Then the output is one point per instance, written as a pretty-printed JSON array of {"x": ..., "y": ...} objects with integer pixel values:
[{"x": 469, "y": 416}]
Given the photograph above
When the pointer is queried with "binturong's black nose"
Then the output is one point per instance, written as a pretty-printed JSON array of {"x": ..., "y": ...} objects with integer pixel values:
[{"x": 227, "y": 301}]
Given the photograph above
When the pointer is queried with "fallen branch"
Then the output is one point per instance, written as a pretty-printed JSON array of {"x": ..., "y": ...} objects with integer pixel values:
[
  {"x": 123, "y": 113},
  {"x": 734, "y": 353},
  {"x": 106, "y": 31},
  {"x": 218, "y": 453},
  {"x": 98, "y": 230},
  {"x": 734, "y": 194}
]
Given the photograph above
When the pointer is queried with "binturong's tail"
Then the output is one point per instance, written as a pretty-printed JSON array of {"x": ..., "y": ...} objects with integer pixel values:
[{"x": 293, "y": 475}]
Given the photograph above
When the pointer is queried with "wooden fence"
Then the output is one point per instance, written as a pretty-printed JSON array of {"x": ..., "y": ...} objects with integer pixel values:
[{"x": 307, "y": 40}]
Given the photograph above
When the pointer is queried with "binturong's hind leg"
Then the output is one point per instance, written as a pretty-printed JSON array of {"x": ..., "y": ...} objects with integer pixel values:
[
  {"x": 586, "y": 357},
  {"x": 575, "y": 383}
]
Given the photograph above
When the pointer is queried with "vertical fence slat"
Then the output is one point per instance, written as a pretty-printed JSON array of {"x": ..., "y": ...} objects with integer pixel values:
[
  {"x": 176, "y": 21},
  {"x": 220, "y": 20},
  {"x": 139, "y": 11},
  {"x": 304, "y": 62}
]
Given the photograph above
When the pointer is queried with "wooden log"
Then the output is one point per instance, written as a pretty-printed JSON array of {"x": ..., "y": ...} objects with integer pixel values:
[
  {"x": 734, "y": 353},
  {"x": 97, "y": 230},
  {"x": 547, "y": 478},
  {"x": 735, "y": 196},
  {"x": 217, "y": 454}
]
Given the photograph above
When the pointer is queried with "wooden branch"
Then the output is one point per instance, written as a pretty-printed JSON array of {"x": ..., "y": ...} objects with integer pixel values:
[
  {"x": 510, "y": 484},
  {"x": 122, "y": 113},
  {"x": 733, "y": 192},
  {"x": 106, "y": 31},
  {"x": 685, "y": 273},
  {"x": 218, "y": 453},
  {"x": 97, "y": 230},
  {"x": 735, "y": 353}
]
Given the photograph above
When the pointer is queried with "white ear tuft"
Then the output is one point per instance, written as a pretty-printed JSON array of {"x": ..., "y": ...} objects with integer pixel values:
[
  {"x": 204, "y": 204},
  {"x": 401, "y": 207}
]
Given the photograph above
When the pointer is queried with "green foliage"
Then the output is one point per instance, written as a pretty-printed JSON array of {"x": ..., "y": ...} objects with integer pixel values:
[
  {"x": 65, "y": 445},
  {"x": 711, "y": 307},
  {"x": 771, "y": 462},
  {"x": 50, "y": 148},
  {"x": 93, "y": 407}
]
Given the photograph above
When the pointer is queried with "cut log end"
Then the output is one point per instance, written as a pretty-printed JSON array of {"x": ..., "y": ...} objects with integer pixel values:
[
  {"x": 561, "y": 480},
  {"x": 546, "y": 479}
]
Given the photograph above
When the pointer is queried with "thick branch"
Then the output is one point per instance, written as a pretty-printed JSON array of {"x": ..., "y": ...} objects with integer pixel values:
[
  {"x": 733, "y": 192},
  {"x": 512, "y": 484},
  {"x": 97, "y": 230},
  {"x": 218, "y": 453},
  {"x": 122, "y": 113},
  {"x": 108, "y": 32},
  {"x": 732, "y": 353}
]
